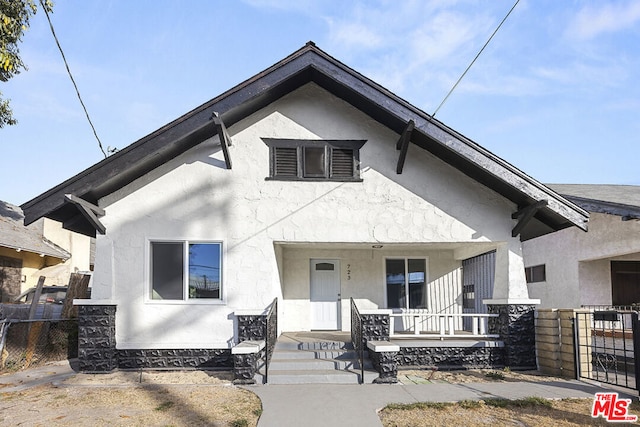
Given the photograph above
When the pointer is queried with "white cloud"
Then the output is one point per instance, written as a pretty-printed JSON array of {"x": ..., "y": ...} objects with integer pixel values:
[
  {"x": 354, "y": 35},
  {"x": 599, "y": 18},
  {"x": 308, "y": 7},
  {"x": 581, "y": 74},
  {"x": 448, "y": 34}
]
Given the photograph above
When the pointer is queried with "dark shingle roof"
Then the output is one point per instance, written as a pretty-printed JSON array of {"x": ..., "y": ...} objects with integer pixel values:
[
  {"x": 308, "y": 64},
  {"x": 15, "y": 235},
  {"x": 621, "y": 200}
]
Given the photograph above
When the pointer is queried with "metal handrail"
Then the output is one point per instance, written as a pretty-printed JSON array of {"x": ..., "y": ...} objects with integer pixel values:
[
  {"x": 271, "y": 335},
  {"x": 357, "y": 337}
]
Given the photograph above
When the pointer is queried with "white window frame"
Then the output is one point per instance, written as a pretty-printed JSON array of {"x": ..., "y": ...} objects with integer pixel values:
[
  {"x": 406, "y": 259},
  {"x": 148, "y": 284}
]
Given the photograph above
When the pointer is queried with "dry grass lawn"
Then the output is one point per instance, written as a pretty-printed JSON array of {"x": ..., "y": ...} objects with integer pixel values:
[
  {"x": 532, "y": 412},
  {"x": 208, "y": 404}
]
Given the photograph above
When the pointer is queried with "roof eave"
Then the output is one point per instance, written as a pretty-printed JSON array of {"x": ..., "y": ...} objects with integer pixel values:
[{"x": 309, "y": 64}]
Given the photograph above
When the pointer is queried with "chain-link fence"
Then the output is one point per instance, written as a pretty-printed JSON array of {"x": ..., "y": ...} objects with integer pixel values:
[{"x": 28, "y": 343}]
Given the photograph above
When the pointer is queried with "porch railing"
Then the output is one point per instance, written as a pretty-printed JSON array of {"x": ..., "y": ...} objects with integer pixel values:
[
  {"x": 357, "y": 338},
  {"x": 440, "y": 325},
  {"x": 271, "y": 336},
  {"x": 601, "y": 307}
]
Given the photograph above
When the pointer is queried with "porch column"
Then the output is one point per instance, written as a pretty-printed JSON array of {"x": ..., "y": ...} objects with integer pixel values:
[
  {"x": 516, "y": 327},
  {"x": 510, "y": 282},
  {"x": 251, "y": 327},
  {"x": 376, "y": 325},
  {"x": 384, "y": 357},
  {"x": 97, "y": 337}
]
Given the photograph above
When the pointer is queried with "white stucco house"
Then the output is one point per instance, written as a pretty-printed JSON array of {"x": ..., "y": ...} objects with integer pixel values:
[
  {"x": 307, "y": 183},
  {"x": 572, "y": 269}
]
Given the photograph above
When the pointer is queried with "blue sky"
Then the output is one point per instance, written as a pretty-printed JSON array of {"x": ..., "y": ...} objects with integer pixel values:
[{"x": 556, "y": 93}]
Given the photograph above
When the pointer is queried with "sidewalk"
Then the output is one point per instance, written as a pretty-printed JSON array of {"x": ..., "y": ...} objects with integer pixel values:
[
  {"x": 314, "y": 405},
  {"x": 320, "y": 404}
]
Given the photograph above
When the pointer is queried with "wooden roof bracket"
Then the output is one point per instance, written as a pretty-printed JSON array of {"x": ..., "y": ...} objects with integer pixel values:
[
  {"x": 525, "y": 215},
  {"x": 403, "y": 145},
  {"x": 90, "y": 211},
  {"x": 225, "y": 139}
]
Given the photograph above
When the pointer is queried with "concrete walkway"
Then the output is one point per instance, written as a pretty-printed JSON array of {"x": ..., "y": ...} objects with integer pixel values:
[
  {"x": 337, "y": 405},
  {"x": 357, "y": 405}
]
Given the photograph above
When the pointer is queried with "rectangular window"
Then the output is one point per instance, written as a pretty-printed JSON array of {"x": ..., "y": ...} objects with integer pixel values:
[
  {"x": 186, "y": 270},
  {"x": 536, "y": 273},
  {"x": 314, "y": 160},
  {"x": 314, "y": 166},
  {"x": 469, "y": 296},
  {"x": 406, "y": 282}
]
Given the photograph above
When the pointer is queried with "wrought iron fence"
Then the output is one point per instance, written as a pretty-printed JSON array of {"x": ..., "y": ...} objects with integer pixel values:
[
  {"x": 357, "y": 338},
  {"x": 29, "y": 343},
  {"x": 271, "y": 335},
  {"x": 606, "y": 345}
]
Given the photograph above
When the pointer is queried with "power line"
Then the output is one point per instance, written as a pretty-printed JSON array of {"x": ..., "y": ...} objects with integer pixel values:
[
  {"x": 474, "y": 59},
  {"x": 72, "y": 79}
]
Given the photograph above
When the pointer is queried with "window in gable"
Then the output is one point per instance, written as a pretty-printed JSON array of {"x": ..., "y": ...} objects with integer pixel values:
[
  {"x": 285, "y": 162},
  {"x": 314, "y": 160}
]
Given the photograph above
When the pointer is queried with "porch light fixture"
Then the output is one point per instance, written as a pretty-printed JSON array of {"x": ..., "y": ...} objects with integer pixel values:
[{"x": 376, "y": 246}]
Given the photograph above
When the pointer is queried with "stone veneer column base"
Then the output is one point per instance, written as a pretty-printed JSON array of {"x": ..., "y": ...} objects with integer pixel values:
[
  {"x": 516, "y": 326},
  {"x": 244, "y": 368},
  {"x": 375, "y": 327},
  {"x": 387, "y": 366},
  {"x": 97, "y": 338}
]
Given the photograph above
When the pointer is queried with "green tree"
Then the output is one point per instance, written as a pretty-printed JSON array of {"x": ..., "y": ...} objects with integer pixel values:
[{"x": 14, "y": 21}]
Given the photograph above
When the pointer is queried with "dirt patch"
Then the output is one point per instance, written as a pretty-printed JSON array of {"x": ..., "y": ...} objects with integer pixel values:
[{"x": 134, "y": 398}]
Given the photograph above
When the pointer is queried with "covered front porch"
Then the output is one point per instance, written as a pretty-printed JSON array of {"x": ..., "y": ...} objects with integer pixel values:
[
  {"x": 370, "y": 353},
  {"x": 435, "y": 290},
  {"x": 429, "y": 305}
]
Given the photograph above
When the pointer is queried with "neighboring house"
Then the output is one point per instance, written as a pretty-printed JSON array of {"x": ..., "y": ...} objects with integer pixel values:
[
  {"x": 43, "y": 248},
  {"x": 570, "y": 269},
  {"x": 308, "y": 183}
]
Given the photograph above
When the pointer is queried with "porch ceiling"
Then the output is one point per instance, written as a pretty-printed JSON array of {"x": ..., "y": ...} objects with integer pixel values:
[{"x": 474, "y": 248}]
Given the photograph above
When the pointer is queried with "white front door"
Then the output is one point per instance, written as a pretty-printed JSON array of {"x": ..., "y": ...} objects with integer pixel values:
[{"x": 325, "y": 294}]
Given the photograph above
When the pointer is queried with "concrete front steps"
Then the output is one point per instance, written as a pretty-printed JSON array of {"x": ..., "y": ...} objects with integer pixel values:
[{"x": 319, "y": 362}]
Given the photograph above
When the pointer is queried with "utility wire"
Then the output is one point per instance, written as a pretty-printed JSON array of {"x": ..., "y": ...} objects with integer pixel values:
[
  {"x": 72, "y": 80},
  {"x": 474, "y": 59}
]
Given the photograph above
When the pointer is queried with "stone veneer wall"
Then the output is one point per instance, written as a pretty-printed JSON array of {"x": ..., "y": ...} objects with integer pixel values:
[
  {"x": 252, "y": 327},
  {"x": 516, "y": 327},
  {"x": 375, "y": 327},
  {"x": 97, "y": 348},
  {"x": 452, "y": 357},
  {"x": 97, "y": 338}
]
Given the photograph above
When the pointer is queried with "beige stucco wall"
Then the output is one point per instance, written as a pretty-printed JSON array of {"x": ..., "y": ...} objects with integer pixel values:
[
  {"x": 78, "y": 245},
  {"x": 194, "y": 197},
  {"x": 578, "y": 264},
  {"x": 32, "y": 264}
]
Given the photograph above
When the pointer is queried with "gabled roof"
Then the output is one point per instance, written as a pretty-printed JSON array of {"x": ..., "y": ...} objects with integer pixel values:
[
  {"x": 309, "y": 64},
  {"x": 15, "y": 235},
  {"x": 620, "y": 200}
]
